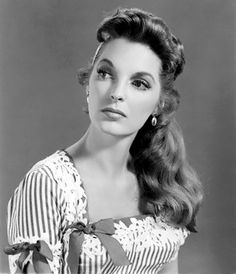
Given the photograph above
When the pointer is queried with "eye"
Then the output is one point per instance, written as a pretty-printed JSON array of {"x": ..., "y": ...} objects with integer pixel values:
[
  {"x": 141, "y": 84},
  {"x": 103, "y": 74}
]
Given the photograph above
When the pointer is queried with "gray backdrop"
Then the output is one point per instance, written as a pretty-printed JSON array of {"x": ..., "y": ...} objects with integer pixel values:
[{"x": 42, "y": 43}]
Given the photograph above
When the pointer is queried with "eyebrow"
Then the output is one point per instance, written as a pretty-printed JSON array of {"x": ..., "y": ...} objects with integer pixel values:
[
  {"x": 144, "y": 73},
  {"x": 107, "y": 61},
  {"x": 137, "y": 74}
]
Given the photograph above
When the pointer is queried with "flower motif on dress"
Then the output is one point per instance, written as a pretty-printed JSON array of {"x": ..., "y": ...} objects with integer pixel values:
[
  {"x": 137, "y": 236},
  {"x": 144, "y": 233},
  {"x": 92, "y": 246},
  {"x": 69, "y": 181}
]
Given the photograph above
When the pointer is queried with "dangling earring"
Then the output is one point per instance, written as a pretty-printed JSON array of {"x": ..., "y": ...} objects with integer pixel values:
[{"x": 154, "y": 120}]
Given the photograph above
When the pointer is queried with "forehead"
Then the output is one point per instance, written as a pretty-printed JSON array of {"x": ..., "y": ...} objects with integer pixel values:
[{"x": 130, "y": 56}]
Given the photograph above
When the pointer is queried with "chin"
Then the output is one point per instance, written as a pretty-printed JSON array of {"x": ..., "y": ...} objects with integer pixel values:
[
  {"x": 115, "y": 130},
  {"x": 112, "y": 131}
]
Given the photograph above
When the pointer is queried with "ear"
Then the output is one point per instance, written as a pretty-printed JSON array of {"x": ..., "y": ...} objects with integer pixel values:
[
  {"x": 155, "y": 111},
  {"x": 159, "y": 107},
  {"x": 87, "y": 90}
]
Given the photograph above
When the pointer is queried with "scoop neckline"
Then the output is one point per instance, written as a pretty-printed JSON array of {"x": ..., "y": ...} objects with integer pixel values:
[{"x": 126, "y": 220}]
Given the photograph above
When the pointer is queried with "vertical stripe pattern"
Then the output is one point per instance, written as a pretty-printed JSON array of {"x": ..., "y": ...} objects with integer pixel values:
[
  {"x": 41, "y": 208},
  {"x": 148, "y": 260},
  {"x": 33, "y": 212}
]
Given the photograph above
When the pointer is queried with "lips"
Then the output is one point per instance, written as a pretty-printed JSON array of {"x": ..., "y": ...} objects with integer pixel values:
[{"x": 113, "y": 110}]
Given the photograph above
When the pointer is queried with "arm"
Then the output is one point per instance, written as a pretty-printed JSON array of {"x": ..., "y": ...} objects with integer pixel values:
[
  {"x": 33, "y": 214},
  {"x": 171, "y": 268}
]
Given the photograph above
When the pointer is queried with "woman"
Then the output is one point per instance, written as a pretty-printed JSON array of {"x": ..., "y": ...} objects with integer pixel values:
[{"x": 123, "y": 198}]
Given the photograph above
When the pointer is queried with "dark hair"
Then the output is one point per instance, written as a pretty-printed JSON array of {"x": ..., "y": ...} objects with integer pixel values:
[{"x": 167, "y": 184}]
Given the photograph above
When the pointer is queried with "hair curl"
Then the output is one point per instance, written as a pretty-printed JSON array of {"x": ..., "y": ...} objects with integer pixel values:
[{"x": 167, "y": 183}]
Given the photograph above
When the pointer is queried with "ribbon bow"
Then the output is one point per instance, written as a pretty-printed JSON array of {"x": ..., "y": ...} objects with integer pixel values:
[
  {"x": 24, "y": 248},
  {"x": 103, "y": 229}
]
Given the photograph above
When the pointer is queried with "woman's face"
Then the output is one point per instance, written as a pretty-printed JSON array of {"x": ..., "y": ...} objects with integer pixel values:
[{"x": 125, "y": 79}]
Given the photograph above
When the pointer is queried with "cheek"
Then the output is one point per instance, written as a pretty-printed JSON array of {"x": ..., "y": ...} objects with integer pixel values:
[
  {"x": 145, "y": 107},
  {"x": 94, "y": 102},
  {"x": 141, "y": 112},
  {"x": 98, "y": 92},
  {"x": 97, "y": 98}
]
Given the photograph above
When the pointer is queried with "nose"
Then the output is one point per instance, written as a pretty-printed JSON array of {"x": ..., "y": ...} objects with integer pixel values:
[
  {"x": 117, "y": 92},
  {"x": 116, "y": 98}
]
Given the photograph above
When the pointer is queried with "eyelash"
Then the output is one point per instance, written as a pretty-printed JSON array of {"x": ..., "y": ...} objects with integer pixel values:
[
  {"x": 145, "y": 85},
  {"x": 104, "y": 74}
]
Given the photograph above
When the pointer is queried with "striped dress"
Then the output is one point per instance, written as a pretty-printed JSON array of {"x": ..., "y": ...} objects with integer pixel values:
[{"x": 51, "y": 197}]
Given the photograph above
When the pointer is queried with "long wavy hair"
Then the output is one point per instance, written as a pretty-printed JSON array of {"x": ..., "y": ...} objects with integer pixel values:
[{"x": 167, "y": 183}]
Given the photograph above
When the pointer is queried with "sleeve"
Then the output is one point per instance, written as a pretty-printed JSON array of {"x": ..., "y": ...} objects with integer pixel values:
[{"x": 34, "y": 214}]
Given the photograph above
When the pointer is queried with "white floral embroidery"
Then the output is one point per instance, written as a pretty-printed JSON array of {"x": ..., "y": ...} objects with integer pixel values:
[
  {"x": 147, "y": 232},
  {"x": 138, "y": 235},
  {"x": 92, "y": 246},
  {"x": 68, "y": 180}
]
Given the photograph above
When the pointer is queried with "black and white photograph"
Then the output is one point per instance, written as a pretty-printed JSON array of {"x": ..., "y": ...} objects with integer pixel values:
[{"x": 117, "y": 136}]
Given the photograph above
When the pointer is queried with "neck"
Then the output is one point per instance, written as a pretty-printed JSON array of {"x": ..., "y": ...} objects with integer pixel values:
[{"x": 107, "y": 152}]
